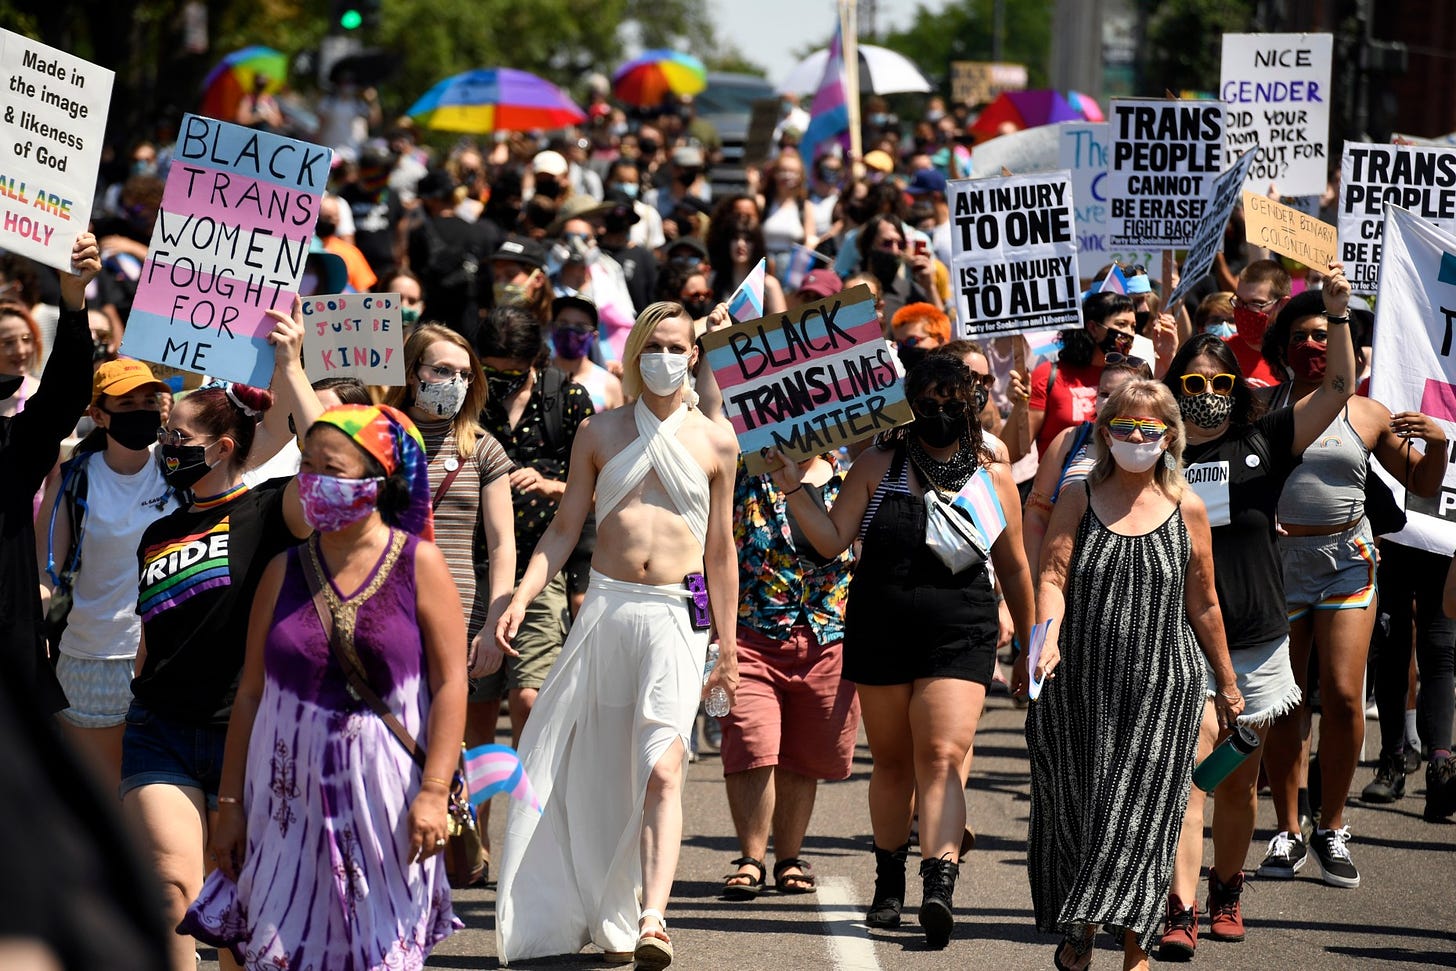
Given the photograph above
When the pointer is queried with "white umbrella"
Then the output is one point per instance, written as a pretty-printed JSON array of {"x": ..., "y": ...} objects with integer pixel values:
[{"x": 881, "y": 71}]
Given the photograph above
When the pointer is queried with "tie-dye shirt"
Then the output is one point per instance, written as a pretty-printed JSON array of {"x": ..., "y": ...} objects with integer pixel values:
[{"x": 777, "y": 587}]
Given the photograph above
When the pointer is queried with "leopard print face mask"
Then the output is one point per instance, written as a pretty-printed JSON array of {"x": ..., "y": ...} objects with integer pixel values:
[{"x": 1207, "y": 410}]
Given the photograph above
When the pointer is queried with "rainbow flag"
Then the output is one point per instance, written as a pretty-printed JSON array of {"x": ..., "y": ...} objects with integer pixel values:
[
  {"x": 493, "y": 769},
  {"x": 747, "y": 301},
  {"x": 978, "y": 500},
  {"x": 829, "y": 112}
]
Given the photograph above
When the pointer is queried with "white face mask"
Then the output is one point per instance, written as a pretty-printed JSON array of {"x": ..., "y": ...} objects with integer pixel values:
[
  {"x": 443, "y": 399},
  {"x": 664, "y": 374},
  {"x": 1135, "y": 456}
]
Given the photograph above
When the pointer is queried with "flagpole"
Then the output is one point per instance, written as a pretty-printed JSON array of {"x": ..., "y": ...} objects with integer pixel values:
[{"x": 849, "y": 30}]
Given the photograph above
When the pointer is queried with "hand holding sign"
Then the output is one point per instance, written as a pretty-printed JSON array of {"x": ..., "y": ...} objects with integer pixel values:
[
  {"x": 85, "y": 264},
  {"x": 1336, "y": 291}
]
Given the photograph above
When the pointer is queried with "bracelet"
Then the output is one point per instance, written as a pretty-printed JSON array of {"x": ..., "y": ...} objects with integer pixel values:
[
  {"x": 229, "y": 801},
  {"x": 794, "y": 490},
  {"x": 1337, "y": 318},
  {"x": 430, "y": 778}
]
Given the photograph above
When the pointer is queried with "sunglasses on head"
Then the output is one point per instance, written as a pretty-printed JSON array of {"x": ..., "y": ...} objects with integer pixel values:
[
  {"x": 1117, "y": 359},
  {"x": 1199, "y": 384},
  {"x": 1122, "y": 427},
  {"x": 929, "y": 407}
]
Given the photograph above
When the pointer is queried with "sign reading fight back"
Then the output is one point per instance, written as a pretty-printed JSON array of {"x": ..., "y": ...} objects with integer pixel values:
[
  {"x": 1165, "y": 157},
  {"x": 807, "y": 381},
  {"x": 1421, "y": 179},
  {"x": 51, "y": 126},
  {"x": 230, "y": 243}
]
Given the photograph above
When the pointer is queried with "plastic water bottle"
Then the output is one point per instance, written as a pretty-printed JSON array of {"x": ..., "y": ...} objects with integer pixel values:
[
  {"x": 717, "y": 705},
  {"x": 1228, "y": 756}
]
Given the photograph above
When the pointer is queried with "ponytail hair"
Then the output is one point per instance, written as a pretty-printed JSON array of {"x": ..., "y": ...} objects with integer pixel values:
[{"x": 232, "y": 410}]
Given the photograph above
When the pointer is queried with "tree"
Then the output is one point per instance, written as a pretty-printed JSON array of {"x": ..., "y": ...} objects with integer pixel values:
[
  {"x": 962, "y": 31},
  {"x": 1183, "y": 49}
]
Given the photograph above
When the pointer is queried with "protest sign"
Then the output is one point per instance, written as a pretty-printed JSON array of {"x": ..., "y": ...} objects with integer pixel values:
[
  {"x": 1277, "y": 87},
  {"x": 354, "y": 335},
  {"x": 1014, "y": 255},
  {"x": 1082, "y": 151},
  {"x": 1413, "y": 368},
  {"x": 979, "y": 82},
  {"x": 1165, "y": 157},
  {"x": 809, "y": 380},
  {"x": 1419, "y": 178},
  {"x": 54, "y": 119},
  {"x": 230, "y": 243},
  {"x": 1288, "y": 231},
  {"x": 1221, "y": 202}
]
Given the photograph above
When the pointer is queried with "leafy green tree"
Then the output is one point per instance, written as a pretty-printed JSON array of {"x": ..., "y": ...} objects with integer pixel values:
[
  {"x": 1184, "y": 49},
  {"x": 963, "y": 31}
]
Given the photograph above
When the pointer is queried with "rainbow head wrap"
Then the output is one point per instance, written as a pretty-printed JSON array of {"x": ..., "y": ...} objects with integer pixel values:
[{"x": 392, "y": 439}]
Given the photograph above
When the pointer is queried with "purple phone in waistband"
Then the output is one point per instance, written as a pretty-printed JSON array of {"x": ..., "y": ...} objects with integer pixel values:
[{"x": 697, "y": 585}]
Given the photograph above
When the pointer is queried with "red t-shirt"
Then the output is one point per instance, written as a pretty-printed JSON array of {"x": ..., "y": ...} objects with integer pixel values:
[
  {"x": 1073, "y": 399},
  {"x": 1251, "y": 361}
]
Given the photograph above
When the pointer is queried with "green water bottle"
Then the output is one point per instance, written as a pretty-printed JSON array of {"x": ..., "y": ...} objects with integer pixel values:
[{"x": 1228, "y": 756}]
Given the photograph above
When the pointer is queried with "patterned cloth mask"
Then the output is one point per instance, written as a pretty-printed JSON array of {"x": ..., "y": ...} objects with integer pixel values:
[
  {"x": 331, "y": 503},
  {"x": 1207, "y": 410}
]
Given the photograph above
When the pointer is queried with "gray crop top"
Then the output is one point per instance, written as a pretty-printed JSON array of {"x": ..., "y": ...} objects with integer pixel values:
[{"x": 1327, "y": 488}]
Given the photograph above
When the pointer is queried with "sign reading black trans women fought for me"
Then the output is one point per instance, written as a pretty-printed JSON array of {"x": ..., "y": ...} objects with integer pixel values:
[
  {"x": 230, "y": 243},
  {"x": 1014, "y": 255},
  {"x": 1165, "y": 156},
  {"x": 807, "y": 381}
]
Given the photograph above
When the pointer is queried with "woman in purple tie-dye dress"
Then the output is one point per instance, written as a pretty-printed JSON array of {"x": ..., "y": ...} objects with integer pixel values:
[{"x": 329, "y": 860}]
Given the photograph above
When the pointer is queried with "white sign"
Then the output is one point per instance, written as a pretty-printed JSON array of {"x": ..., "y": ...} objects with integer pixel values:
[
  {"x": 1226, "y": 190},
  {"x": 1421, "y": 179},
  {"x": 1165, "y": 156},
  {"x": 52, "y": 120},
  {"x": 1277, "y": 87},
  {"x": 354, "y": 335},
  {"x": 1014, "y": 254},
  {"x": 1083, "y": 152},
  {"x": 1414, "y": 366}
]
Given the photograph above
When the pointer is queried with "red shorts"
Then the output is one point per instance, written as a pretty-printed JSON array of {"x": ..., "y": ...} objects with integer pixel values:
[{"x": 792, "y": 707}]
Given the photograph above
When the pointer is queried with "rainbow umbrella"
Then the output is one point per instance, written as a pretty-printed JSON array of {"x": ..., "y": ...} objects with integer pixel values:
[
  {"x": 1087, "y": 105},
  {"x": 1023, "y": 109},
  {"x": 495, "y": 99},
  {"x": 234, "y": 76},
  {"x": 645, "y": 81}
]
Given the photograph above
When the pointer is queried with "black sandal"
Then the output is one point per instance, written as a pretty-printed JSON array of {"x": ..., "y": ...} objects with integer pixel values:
[
  {"x": 804, "y": 878},
  {"x": 1081, "y": 948},
  {"x": 744, "y": 891}
]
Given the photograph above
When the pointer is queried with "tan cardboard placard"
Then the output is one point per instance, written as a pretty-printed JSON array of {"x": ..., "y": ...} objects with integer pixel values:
[{"x": 1289, "y": 232}]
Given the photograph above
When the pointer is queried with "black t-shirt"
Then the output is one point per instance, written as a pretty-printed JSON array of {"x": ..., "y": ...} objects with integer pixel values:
[
  {"x": 375, "y": 217},
  {"x": 199, "y": 571},
  {"x": 452, "y": 259},
  {"x": 1239, "y": 478},
  {"x": 639, "y": 267}
]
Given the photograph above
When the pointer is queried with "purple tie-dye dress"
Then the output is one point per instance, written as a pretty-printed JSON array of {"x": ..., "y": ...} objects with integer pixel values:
[{"x": 325, "y": 885}]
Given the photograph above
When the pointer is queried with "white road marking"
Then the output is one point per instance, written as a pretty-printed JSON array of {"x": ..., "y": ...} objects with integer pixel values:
[{"x": 850, "y": 947}]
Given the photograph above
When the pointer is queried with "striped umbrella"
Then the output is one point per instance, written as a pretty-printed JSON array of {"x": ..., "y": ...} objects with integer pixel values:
[
  {"x": 645, "y": 81},
  {"x": 234, "y": 76},
  {"x": 495, "y": 99}
]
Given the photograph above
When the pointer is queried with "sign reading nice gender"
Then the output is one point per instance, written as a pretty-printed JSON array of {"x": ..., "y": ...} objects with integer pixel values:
[
  {"x": 1418, "y": 178},
  {"x": 50, "y": 146},
  {"x": 229, "y": 244},
  {"x": 1277, "y": 88},
  {"x": 354, "y": 335},
  {"x": 809, "y": 380},
  {"x": 1014, "y": 255},
  {"x": 1165, "y": 156}
]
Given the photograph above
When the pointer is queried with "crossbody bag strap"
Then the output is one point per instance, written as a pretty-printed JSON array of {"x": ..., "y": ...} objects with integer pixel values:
[
  {"x": 445, "y": 484},
  {"x": 348, "y": 658}
]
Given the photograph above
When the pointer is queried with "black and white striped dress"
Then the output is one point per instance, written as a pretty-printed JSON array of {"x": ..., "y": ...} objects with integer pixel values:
[{"x": 1113, "y": 738}]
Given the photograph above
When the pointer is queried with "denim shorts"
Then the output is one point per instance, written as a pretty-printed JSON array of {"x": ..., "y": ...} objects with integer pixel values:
[{"x": 155, "y": 750}]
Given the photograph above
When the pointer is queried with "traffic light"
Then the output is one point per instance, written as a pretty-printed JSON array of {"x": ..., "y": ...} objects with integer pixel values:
[{"x": 351, "y": 15}]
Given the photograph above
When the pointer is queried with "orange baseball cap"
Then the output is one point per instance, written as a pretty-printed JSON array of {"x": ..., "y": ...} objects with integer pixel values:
[{"x": 123, "y": 376}]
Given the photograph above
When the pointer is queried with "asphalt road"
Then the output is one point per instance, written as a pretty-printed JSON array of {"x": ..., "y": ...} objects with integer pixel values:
[{"x": 1403, "y": 916}]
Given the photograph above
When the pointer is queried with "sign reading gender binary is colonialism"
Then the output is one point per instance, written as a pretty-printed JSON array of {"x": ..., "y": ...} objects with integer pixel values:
[
  {"x": 51, "y": 126},
  {"x": 1277, "y": 87},
  {"x": 230, "y": 244},
  {"x": 1165, "y": 156},
  {"x": 809, "y": 380},
  {"x": 1288, "y": 232},
  {"x": 354, "y": 335},
  {"x": 1014, "y": 254},
  {"x": 1421, "y": 179}
]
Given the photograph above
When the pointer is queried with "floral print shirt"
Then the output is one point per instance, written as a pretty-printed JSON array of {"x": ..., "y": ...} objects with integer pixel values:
[{"x": 778, "y": 588}]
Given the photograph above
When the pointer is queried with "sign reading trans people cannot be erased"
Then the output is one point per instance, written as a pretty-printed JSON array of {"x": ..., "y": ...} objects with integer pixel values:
[
  {"x": 52, "y": 120},
  {"x": 1421, "y": 179},
  {"x": 807, "y": 381},
  {"x": 230, "y": 244},
  {"x": 1165, "y": 156},
  {"x": 1277, "y": 87}
]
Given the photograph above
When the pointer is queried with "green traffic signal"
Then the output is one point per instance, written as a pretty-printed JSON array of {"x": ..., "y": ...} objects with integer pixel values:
[{"x": 350, "y": 19}]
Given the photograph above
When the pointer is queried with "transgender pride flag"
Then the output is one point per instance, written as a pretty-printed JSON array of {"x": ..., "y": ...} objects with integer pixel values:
[
  {"x": 829, "y": 113},
  {"x": 493, "y": 769},
  {"x": 1114, "y": 282},
  {"x": 978, "y": 499},
  {"x": 747, "y": 301}
]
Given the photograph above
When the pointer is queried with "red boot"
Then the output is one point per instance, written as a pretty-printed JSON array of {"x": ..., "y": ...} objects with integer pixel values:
[
  {"x": 1226, "y": 921},
  {"x": 1180, "y": 931}
]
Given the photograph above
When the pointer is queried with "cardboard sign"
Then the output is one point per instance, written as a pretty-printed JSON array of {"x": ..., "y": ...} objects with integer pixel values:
[
  {"x": 978, "y": 82},
  {"x": 230, "y": 243},
  {"x": 1288, "y": 232},
  {"x": 807, "y": 381},
  {"x": 758, "y": 143},
  {"x": 1277, "y": 87},
  {"x": 1419, "y": 178},
  {"x": 354, "y": 335},
  {"x": 1165, "y": 157},
  {"x": 1223, "y": 197},
  {"x": 52, "y": 121},
  {"x": 1014, "y": 255}
]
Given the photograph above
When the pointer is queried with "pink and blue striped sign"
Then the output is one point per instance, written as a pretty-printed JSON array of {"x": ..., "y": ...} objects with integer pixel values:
[{"x": 230, "y": 242}]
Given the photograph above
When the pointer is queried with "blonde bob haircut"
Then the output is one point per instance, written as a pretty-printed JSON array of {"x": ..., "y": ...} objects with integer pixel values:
[
  {"x": 647, "y": 322},
  {"x": 468, "y": 430},
  {"x": 1141, "y": 398}
]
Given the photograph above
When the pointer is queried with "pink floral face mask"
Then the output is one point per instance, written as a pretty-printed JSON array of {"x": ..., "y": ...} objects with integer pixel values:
[{"x": 331, "y": 503}]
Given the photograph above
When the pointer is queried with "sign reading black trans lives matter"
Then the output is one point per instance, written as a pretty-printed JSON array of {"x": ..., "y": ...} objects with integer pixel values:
[
  {"x": 1165, "y": 156},
  {"x": 1014, "y": 255}
]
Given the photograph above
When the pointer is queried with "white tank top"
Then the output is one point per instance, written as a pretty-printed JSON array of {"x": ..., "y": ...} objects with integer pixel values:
[
  {"x": 103, "y": 623},
  {"x": 784, "y": 225}
]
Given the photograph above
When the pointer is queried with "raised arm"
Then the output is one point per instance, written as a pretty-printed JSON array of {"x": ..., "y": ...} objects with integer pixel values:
[
  {"x": 831, "y": 533},
  {"x": 294, "y": 395},
  {"x": 1313, "y": 413},
  {"x": 1200, "y": 599}
]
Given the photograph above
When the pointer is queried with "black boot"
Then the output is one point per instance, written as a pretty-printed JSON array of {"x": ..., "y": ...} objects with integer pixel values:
[
  {"x": 889, "y": 887},
  {"x": 936, "y": 918}
]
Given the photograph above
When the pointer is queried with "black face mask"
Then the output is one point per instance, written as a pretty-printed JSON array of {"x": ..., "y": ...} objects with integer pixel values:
[
  {"x": 884, "y": 265},
  {"x": 698, "y": 309},
  {"x": 182, "y": 465},
  {"x": 549, "y": 188},
  {"x": 940, "y": 430},
  {"x": 503, "y": 384},
  {"x": 911, "y": 354},
  {"x": 134, "y": 430},
  {"x": 980, "y": 396},
  {"x": 9, "y": 384},
  {"x": 326, "y": 227},
  {"x": 687, "y": 176}
]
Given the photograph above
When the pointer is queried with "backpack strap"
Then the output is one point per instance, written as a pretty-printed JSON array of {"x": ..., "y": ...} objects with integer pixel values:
[
  {"x": 553, "y": 406},
  {"x": 73, "y": 493}
]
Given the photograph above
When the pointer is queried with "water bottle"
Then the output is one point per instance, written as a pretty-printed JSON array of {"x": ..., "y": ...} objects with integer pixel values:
[
  {"x": 717, "y": 705},
  {"x": 1228, "y": 756}
]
